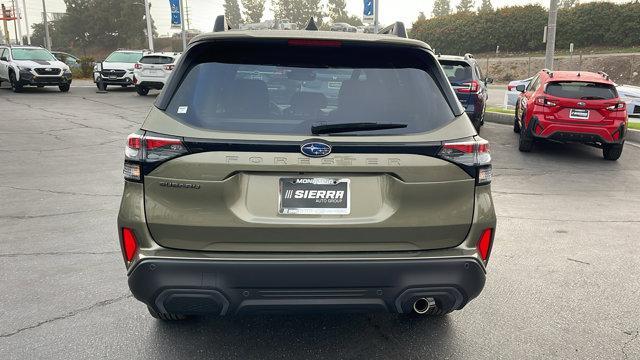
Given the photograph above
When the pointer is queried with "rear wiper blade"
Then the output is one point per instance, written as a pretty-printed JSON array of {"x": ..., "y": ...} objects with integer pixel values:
[{"x": 355, "y": 126}]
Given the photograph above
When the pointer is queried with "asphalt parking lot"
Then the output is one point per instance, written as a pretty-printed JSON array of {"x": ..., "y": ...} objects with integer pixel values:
[{"x": 563, "y": 281}]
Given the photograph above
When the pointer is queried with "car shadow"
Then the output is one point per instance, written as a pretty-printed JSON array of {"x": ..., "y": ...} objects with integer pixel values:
[{"x": 332, "y": 336}]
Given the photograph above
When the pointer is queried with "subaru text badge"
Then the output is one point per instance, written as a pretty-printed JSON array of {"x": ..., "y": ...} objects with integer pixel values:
[{"x": 315, "y": 149}]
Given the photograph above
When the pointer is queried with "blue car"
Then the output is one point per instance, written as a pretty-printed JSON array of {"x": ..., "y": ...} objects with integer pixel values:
[{"x": 470, "y": 86}]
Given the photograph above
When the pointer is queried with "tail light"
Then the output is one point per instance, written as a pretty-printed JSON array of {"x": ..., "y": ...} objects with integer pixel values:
[
  {"x": 169, "y": 67},
  {"x": 620, "y": 106},
  {"x": 510, "y": 87},
  {"x": 143, "y": 151},
  {"x": 544, "y": 101},
  {"x": 472, "y": 87},
  {"x": 484, "y": 244},
  {"x": 137, "y": 66},
  {"x": 473, "y": 156},
  {"x": 129, "y": 243}
]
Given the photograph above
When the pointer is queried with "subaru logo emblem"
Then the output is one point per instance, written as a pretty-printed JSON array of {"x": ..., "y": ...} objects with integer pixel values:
[
  {"x": 315, "y": 149},
  {"x": 113, "y": 71},
  {"x": 581, "y": 103},
  {"x": 48, "y": 69}
]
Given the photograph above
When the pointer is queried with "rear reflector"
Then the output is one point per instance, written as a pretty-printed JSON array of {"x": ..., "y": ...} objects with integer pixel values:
[
  {"x": 129, "y": 243},
  {"x": 484, "y": 244},
  {"x": 312, "y": 42}
]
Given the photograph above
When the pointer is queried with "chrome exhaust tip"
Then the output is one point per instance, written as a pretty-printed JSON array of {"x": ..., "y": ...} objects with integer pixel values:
[{"x": 423, "y": 305}]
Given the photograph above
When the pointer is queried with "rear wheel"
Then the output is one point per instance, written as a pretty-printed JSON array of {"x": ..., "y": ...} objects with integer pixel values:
[
  {"x": 15, "y": 85},
  {"x": 525, "y": 143},
  {"x": 516, "y": 122},
  {"x": 165, "y": 316},
  {"x": 142, "y": 90},
  {"x": 612, "y": 151},
  {"x": 65, "y": 87}
]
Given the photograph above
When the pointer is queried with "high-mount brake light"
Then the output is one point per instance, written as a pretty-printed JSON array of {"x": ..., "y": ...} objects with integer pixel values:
[
  {"x": 143, "y": 149},
  {"x": 544, "y": 101},
  {"x": 474, "y": 154},
  {"x": 471, "y": 87},
  {"x": 617, "y": 107},
  {"x": 314, "y": 42}
]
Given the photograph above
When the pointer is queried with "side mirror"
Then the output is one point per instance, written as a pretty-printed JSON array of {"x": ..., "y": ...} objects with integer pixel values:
[
  {"x": 488, "y": 80},
  {"x": 521, "y": 88},
  {"x": 4, "y": 58}
]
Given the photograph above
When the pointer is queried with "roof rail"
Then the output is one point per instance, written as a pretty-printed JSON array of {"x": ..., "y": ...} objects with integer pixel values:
[
  {"x": 311, "y": 25},
  {"x": 221, "y": 24},
  {"x": 396, "y": 29},
  {"x": 604, "y": 74},
  {"x": 549, "y": 72},
  {"x": 469, "y": 56}
]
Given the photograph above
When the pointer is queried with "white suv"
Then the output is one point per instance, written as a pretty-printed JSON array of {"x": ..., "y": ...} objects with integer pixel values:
[
  {"x": 153, "y": 70},
  {"x": 32, "y": 66},
  {"x": 117, "y": 68}
]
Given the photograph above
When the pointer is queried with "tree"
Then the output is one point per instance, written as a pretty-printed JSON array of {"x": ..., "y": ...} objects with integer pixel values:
[
  {"x": 422, "y": 17},
  {"x": 485, "y": 6},
  {"x": 441, "y": 8},
  {"x": 232, "y": 12},
  {"x": 565, "y": 4},
  {"x": 297, "y": 11},
  {"x": 465, "y": 6},
  {"x": 253, "y": 10},
  {"x": 338, "y": 10}
]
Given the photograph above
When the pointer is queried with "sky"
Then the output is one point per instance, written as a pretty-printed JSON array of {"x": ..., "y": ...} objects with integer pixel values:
[{"x": 202, "y": 13}]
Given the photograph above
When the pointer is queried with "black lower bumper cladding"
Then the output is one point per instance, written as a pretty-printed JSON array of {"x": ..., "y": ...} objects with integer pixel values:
[{"x": 216, "y": 287}]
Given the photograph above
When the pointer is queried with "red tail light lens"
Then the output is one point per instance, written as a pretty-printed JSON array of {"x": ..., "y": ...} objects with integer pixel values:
[
  {"x": 484, "y": 244},
  {"x": 137, "y": 66},
  {"x": 143, "y": 149},
  {"x": 544, "y": 101},
  {"x": 471, "y": 87},
  {"x": 510, "y": 87},
  {"x": 129, "y": 243},
  {"x": 169, "y": 67},
  {"x": 473, "y": 154},
  {"x": 617, "y": 107}
]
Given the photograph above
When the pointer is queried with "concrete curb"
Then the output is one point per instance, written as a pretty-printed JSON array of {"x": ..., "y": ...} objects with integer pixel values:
[{"x": 507, "y": 119}]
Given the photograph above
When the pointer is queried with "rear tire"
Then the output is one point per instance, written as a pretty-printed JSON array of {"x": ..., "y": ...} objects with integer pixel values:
[
  {"x": 516, "y": 122},
  {"x": 142, "y": 90},
  {"x": 65, "y": 87},
  {"x": 525, "y": 142},
  {"x": 612, "y": 151},
  {"x": 166, "y": 316}
]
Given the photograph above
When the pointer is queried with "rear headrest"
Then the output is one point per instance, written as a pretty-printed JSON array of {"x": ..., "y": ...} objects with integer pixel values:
[
  {"x": 308, "y": 101},
  {"x": 462, "y": 73}
]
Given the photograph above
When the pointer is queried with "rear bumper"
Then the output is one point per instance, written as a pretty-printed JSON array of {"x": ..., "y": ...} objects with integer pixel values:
[
  {"x": 582, "y": 133},
  {"x": 158, "y": 85},
  {"x": 223, "y": 287}
]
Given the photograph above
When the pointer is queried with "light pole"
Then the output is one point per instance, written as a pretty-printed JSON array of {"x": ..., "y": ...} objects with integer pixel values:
[
  {"x": 376, "y": 24},
  {"x": 551, "y": 34},
  {"x": 47, "y": 39},
  {"x": 16, "y": 10},
  {"x": 147, "y": 15},
  {"x": 26, "y": 21},
  {"x": 184, "y": 33}
]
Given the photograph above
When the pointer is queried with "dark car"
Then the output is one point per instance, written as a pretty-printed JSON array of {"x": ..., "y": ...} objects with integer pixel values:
[
  {"x": 306, "y": 170},
  {"x": 470, "y": 85}
]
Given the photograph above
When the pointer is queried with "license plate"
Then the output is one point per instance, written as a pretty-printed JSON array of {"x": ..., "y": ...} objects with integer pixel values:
[
  {"x": 579, "y": 114},
  {"x": 314, "y": 196},
  {"x": 113, "y": 77}
]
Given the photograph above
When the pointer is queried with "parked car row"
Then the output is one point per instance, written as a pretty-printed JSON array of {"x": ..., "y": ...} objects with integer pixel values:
[{"x": 22, "y": 66}]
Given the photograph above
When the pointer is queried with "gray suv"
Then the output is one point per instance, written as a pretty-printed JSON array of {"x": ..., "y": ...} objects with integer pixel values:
[{"x": 247, "y": 192}]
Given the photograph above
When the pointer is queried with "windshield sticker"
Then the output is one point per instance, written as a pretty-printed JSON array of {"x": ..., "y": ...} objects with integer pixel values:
[{"x": 182, "y": 109}]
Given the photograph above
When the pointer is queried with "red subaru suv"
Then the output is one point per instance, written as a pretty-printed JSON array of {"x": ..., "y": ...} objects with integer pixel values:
[{"x": 570, "y": 106}]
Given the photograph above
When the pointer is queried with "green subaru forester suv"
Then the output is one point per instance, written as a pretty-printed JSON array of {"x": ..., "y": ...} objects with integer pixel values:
[{"x": 306, "y": 171}]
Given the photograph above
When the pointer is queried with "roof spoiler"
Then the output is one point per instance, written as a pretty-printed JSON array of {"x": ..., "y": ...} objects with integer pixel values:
[
  {"x": 311, "y": 25},
  {"x": 396, "y": 29},
  {"x": 221, "y": 24}
]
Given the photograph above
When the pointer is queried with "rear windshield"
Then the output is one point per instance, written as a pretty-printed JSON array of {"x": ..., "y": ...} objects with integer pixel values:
[
  {"x": 124, "y": 57},
  {"x": 458, "y": 72},
  {"x": 158, "y": 60},
  {"x": 287, "y": 91},
  {"x": 581, "y": 90}
]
